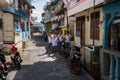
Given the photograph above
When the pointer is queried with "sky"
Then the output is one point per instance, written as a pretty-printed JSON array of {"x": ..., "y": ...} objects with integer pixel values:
[{"x": 38, "y": 4}]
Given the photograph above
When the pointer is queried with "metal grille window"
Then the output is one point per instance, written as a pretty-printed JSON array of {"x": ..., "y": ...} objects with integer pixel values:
[{"x": 94, "y": 26}]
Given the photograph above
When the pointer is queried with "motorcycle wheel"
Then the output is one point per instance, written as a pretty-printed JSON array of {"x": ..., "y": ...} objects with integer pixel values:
[{"x": 75, "y": 69}]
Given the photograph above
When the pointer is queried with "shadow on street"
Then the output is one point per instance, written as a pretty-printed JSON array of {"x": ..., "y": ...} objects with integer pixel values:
[{"x": 38, "y": 66}]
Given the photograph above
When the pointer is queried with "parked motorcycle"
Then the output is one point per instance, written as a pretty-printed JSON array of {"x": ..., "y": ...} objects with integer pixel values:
[
  {"x": 3, "y": 73},
  {"x": 65, "y": 50},
  {"x": 15, "y": 57},
  {"x": 3, "y": 67},
  {"x": 74, "y": 62}
]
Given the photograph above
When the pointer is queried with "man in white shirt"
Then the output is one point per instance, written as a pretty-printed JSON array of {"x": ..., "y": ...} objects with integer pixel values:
[
  {"x": 67, "y": 39},
  {"x": 60, "y": 40},
  {"x": 54, "y": 43}
]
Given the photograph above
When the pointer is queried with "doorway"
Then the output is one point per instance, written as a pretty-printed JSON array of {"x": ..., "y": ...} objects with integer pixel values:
[{"x": 80, "y": 25}]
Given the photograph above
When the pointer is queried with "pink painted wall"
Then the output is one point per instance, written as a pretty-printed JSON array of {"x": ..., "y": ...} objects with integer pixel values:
[{"x": 81, "y": 5}]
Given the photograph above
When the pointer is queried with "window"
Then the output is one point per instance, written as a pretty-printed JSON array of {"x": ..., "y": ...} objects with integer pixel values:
[
  {"x": 94, "y": 26},
  {"x": 78, "y": 27},
  {"x": 80, "y": 22}
]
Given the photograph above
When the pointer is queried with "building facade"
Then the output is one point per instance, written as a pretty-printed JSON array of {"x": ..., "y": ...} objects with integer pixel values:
[
  {"x": 13, "y": 25},
  {"x": 47, "y": 17},
  {"x": 88, "y": 32}
]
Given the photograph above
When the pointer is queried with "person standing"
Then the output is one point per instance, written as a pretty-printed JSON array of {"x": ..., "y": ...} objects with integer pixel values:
[
  {"x": 67, "y": 39},
  {"x": 45, "y": 36},
  {"x": 49, "y": 44},
  {"x": 60, "y": 40},
  {"x": 54, "y": 43}
]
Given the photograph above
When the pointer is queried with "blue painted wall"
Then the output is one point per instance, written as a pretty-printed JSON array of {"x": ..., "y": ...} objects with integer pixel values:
[{"x": 112, "y": 9}]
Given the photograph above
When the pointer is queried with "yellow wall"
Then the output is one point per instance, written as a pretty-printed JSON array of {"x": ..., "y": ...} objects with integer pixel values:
[
  {"x": 63, "y": 30},
  {"x": 88, "y": 41},
  {"x": 48, "y": 26}
]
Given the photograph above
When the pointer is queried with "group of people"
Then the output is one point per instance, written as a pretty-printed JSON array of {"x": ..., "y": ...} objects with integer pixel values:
[{"x": 55, "y": 41}]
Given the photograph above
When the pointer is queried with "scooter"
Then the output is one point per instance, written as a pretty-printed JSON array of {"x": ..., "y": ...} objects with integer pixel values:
[
  {"x": 74, "y": 62},
  {"x": 15, "y": 57},
  {"x": 3, "y": 72}
]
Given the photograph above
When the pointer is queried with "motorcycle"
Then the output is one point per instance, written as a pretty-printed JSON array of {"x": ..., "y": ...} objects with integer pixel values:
[
  {"x": 3, "y": 73},
  {"x": 65, "y": 50},
  {"x": 15, "y": 57},
  {"x": 3, "y": 67},
  {"x": 74, "y": 62}
]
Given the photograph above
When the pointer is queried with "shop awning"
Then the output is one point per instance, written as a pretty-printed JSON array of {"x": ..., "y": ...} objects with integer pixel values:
[{"x": 22, "y": 14}]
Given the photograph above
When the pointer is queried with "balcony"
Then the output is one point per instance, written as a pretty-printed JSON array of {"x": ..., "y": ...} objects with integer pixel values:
[
  {"x": 47, "y": 17},
  {"x": 7, "y": 8},
  {"x": 22, "y": 13}
]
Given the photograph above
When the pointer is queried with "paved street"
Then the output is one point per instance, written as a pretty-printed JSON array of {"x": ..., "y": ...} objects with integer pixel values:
[{"x": 38, "y": 66}]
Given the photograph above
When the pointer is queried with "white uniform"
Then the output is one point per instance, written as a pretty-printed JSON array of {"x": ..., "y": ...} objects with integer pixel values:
[
  {"x": 68, "y": 38},
  {"x": 54, "y": 41}
]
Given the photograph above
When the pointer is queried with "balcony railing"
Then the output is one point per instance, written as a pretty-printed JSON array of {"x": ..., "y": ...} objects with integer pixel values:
[
  {"x": 105, "y": 62},
  {"x": 7, "y": 8}
]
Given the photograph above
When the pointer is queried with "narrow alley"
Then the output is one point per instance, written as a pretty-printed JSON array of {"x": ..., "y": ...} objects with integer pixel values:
[{"x": 37, "y": 65}]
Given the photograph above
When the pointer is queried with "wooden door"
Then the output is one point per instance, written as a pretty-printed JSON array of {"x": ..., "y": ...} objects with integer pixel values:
[{"x": 82, "y": 31}]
